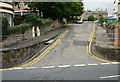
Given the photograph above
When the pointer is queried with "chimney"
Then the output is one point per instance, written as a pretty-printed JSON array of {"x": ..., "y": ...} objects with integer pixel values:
[
  {"x": 98, "y": 9},
  {"x": 106, "y": 9},
  {"x": 101, "y": 9}
]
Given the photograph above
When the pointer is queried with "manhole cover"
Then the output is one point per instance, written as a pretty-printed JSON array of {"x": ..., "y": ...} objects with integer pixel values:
[{"x": 80, "y": 43}]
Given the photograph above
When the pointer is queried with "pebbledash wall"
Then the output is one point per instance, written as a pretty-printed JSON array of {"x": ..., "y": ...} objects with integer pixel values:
[
  {"x": 6, "y": 9},
  {"x": 116, "y": 10}
]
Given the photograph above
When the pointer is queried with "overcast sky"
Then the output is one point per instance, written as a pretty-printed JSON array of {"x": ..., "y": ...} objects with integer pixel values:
[{"x": 101, "y": 4}]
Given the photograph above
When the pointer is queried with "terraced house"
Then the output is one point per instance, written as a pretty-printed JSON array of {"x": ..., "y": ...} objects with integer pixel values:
[
  {"x": 6, "y": 10},
  {"x": 96, "y": 13},
  {"x": 117, "y": 9}
]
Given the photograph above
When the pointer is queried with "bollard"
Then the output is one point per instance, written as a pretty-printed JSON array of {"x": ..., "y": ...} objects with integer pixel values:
[
  {"x": 104, "y": 25},
  {"x": 117, "y": 37},
  {"x": 38, "y": 31},
  {"x": 33, "y": 32}
]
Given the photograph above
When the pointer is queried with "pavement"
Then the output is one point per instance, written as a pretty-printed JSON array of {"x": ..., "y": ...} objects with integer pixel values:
[
  {"x": 68, "y": 60},
  {"x": 103, "y": 45},
  {"x": 101, "y": 35}
]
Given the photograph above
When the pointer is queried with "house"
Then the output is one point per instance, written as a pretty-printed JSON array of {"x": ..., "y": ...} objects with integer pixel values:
[
  {"x": 96, "y": 13},
  {"x": 119, "y": 10},
  {"x": 20, "y": 10},
  {"x": 116, "y": 10},
  {"x": 6, "y": 10}
]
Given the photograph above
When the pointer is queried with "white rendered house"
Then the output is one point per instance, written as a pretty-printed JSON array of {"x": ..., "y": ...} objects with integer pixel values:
[{"x": 6, "y": 9}]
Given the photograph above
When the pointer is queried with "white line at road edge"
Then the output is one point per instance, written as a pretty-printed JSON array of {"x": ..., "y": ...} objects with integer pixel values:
[
  {"x": 110, "y": 76},
  {"x": 64, "y": 66},
  {"x": 49, "y": 67},
  {"x": 115, "y": 62},
  {"x": 31, "y": 67},
  {"x": 78, "y": 65},
  {"x": 92, "y": 64},
  {"x": 105, "y": 63},
  {"x": 15, "y": 68}
]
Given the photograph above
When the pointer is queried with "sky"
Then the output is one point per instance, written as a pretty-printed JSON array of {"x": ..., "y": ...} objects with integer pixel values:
[{"x": 101, "y": 4}]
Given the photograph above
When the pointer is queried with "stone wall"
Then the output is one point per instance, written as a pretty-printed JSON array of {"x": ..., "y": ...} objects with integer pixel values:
[
  {"x": 103, "y": 44},
  {"x": 15, "y": 57},
  {"x": 109, "y": 53}
]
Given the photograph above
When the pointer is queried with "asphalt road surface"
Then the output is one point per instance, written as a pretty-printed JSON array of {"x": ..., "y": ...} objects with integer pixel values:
[{"x": 69, "y": 60}]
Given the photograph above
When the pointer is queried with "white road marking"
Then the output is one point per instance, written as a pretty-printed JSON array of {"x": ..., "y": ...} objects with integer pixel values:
[
  {"x": 31, "y": 67},
  {"x": 49, "y": 67},
  {"x": 115, "y": 62},
  {"x": 105, "y": 63},
  {"x": 92, "y": 64},
  {"x": 79, "y": 65},
  {"x": 64, "y": 66},
  {"x": 8, "y": 69},
  {"x": 110, "y": 76},
  {"x": 15, "y": 68}
]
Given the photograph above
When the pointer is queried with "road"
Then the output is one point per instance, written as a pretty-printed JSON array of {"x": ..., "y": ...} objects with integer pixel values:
[{"x": 69, "y": 60}]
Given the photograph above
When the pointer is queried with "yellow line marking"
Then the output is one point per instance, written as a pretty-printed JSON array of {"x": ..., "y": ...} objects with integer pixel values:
[
  {"x": 45, "y": 52},
  {"x": 42, "y": 54},
  {"x": 89, "y": 47}
]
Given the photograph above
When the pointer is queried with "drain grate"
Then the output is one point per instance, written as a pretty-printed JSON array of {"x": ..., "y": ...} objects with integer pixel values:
[{"x": 80, "y": 43}]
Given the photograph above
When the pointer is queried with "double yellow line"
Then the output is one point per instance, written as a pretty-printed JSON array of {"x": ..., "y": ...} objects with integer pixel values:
[
  {"x": 45, "y": 51},
  {"x": 41, "y": 54},
  {"x": 89, "y": 47}
]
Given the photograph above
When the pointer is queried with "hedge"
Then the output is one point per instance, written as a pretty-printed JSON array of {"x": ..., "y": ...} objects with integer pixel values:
[{"x": 20, "y": 29}]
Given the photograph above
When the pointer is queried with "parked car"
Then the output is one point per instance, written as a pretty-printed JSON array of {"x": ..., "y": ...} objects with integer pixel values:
[{"x": 80, "y": 21}]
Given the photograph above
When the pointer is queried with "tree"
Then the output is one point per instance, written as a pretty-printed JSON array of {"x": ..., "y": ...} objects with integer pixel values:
[
  {"x": 36, "y": 20},
  {"x": 91, "y": 18},
  {"x": 57, "y": 10},
  {"x": 101, "y": 18},
  {"x": 5, "y": 26}
]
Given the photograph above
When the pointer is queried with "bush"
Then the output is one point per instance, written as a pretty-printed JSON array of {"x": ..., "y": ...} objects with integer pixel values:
[
  {"x": 5, "y": 26},
  {"x": 29, "y": 21},
  {"x": 20, "y": 29},
  {"x": 101, "y": 18},
  {"x": 36, "y": 20},
  {"x": 91, "y": 18}
]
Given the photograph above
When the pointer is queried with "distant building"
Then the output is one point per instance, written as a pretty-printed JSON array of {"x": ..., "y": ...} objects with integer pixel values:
[
  {"x": 20, "y": 10},
  {"x": 116, "y": 10},
  {"x": 6, "y": 10},
  {"x": 96, "y": 14}
]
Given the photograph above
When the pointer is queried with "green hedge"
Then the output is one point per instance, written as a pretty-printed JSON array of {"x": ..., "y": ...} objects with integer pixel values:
[
  {"x": 29, "y": 21},
  {"x": 4, "y": 29},
  {"x": 91, "y": 18},
  {"x": 20, "y": 29},
  {"x": 36, "y": 20}
]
